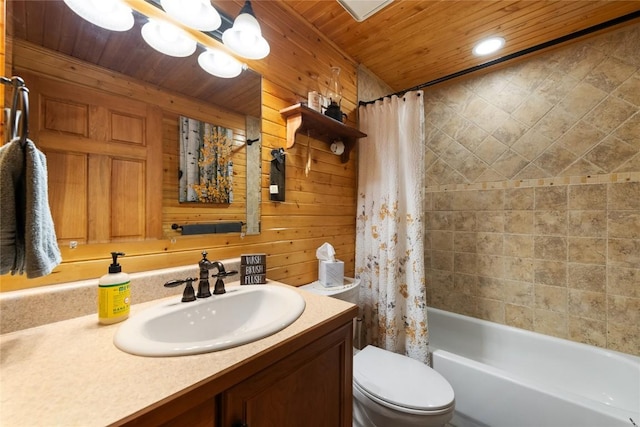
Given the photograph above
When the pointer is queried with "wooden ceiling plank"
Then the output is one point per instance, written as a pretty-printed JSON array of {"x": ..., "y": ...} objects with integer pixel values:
[
  {"x": 568, "y": 13},
  {"x": 507, "y": 28},
  {"x": 446, "y": 33},
  {"x": 396, "y": 16},
  {"x": 407, "y": 43}
]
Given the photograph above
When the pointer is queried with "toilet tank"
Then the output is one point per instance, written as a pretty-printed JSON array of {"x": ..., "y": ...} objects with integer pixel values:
[{"x": 348, "y": 292}]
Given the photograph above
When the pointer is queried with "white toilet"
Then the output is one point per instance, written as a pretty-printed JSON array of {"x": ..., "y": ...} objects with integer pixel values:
[{"x": 389, "y": 389}]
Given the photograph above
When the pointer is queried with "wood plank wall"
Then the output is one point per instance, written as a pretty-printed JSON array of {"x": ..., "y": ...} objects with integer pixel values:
[
  {"x": 2, "y": 60},
  {"x": 319, "y": 208}
]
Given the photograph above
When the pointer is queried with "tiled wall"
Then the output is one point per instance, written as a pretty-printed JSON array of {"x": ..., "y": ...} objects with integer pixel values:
[
  {"x": 370, "y": 87},
  {"x": 533, "y": 181}
]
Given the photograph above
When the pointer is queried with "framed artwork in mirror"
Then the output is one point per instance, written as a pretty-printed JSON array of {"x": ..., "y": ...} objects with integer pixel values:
[{"x": 206, "y": 164}]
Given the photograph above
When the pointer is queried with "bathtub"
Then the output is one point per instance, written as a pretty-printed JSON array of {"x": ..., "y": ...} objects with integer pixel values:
[{"x": 504, "y": 376}]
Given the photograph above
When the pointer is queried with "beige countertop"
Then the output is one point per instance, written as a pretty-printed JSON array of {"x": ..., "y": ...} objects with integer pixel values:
[{"x": 69, "y": 373}]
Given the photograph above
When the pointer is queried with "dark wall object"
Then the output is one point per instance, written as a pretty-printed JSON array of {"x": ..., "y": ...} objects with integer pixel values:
[
  {"x": 221, "y": 227},
  {"x": 277, "y": 176}
]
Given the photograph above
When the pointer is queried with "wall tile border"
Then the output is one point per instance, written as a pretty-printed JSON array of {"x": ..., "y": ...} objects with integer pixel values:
[{"x": 538, "y": 182}]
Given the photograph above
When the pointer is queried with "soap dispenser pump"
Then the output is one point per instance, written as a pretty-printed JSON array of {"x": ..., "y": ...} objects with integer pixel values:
[{"x": 114, "y": 294}]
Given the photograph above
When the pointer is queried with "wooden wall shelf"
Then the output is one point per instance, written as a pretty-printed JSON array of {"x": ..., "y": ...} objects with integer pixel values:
[{"x": 302, "y": 118}]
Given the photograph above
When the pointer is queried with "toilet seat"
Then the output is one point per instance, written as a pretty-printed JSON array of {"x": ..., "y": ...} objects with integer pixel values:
[{"x": 399, "y": 382}]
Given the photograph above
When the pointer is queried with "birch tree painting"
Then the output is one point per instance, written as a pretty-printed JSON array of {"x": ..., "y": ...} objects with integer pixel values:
[{"x": 206, "y": 167}]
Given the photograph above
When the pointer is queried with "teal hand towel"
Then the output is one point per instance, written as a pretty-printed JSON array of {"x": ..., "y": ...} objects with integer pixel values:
[
  {"x": 42, "y": 253},
  {"x": 11, "y": 194},
  {"x": 31, "y": 242}
]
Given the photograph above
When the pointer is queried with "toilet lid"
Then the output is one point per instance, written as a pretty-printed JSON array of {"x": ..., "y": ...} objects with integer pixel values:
[{"x": 400, "y": 381}]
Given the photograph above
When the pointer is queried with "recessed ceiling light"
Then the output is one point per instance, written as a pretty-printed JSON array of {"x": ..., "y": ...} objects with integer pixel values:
[{"x": 487, "y": 46}]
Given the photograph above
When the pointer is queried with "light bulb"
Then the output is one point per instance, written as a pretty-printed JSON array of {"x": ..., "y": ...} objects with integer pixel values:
[
  {"x": 112, "y": 15},
  {"x": 245, "y": 37},
  {"x": 168, "y": 39},
  {"x": 197, "y": 14},
  {"x": 219, "y": 63}
]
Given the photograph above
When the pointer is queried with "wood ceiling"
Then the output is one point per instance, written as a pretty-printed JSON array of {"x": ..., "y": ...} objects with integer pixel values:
[
  {"x": 406, "y": 44},
  {"x": 411, "y": 42}
]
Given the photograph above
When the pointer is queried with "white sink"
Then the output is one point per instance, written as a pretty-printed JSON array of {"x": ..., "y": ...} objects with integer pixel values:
[{"x": 244, "y": 314}]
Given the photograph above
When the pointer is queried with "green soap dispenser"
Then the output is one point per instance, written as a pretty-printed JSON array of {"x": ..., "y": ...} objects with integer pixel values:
[{"x": 114, "y": 294}]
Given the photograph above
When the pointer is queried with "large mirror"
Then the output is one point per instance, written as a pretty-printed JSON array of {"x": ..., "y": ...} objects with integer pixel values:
[{"x": 48, "y": 36}]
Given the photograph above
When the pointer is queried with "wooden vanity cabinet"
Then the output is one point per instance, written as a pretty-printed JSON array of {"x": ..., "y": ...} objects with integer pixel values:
[
  {"x": 306, "y": 381},
  {"x": 202, "y": 415},
  {"x": 311, "y": 387}
]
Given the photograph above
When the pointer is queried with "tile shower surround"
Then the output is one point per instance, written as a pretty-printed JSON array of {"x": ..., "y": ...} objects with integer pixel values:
[
  {"x": 561, "y": 259},
  {"x": 533, "y": 193}
]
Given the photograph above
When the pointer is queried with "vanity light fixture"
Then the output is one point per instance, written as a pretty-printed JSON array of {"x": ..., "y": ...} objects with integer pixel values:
[
  {"x": 113, "y": 15},
  {"x": 219, "y": 63},
  {"x": 197, "y": 14},
  {"x": 488, "y": 46},
  {"x": 168, "y": 39},
  {"x": 245, "y": 37}
]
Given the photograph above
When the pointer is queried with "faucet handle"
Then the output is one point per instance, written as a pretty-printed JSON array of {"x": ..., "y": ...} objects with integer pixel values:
[
  {"x": 222, "y": 274},
  {"x": 189, "y": 293},
  {"x": 219, "y": 286}
]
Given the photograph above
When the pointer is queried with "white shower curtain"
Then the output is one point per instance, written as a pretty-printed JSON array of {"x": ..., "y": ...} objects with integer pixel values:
[{"x": 390, "y": 225}]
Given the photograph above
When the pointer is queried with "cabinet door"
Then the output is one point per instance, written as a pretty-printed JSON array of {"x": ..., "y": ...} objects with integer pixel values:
[
  {"x": 179, "y": 413},
  {"x": 311, "y": 388},
  {"x": 202, "y": 415}
]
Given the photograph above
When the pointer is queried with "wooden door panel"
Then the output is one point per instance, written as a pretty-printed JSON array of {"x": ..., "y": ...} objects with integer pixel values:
[
  {"x": 307, "y": 396},
  {"x": 99, "y": 193},
  {"x": 202, "y": 415},
  {"x": 127, "y": 199},
  {"x": 311, "y": 388},
  {"x": 62, "y": 115},
  {"x": 127, "y": 128},
  {"x": 67, "y": 186}
]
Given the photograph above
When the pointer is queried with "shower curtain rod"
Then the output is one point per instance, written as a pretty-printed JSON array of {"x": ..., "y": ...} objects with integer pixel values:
[{"x": 541, "y": 46}]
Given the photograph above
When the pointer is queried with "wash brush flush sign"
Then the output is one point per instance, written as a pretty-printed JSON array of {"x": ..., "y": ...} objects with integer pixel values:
[{"x": 206, "y": 167}]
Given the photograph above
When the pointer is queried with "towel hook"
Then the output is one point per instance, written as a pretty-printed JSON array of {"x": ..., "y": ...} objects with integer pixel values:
[
  {"x": 24, "y": 92},
  {"x": 20, "y": 93}
]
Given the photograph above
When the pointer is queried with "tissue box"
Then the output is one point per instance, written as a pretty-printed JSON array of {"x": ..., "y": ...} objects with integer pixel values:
[{"x": 331, "y": 273}]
